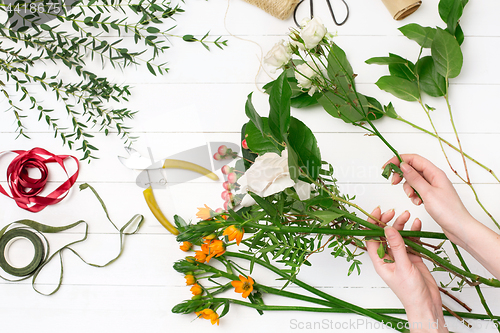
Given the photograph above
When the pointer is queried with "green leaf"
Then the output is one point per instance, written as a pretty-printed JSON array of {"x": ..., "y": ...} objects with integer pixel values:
[
  {"x": 390, "y": 111},
  {"x": 340, "y": 107},
  {"x": 326, "y": 216},
  {"x": 447, "y": 55},
  {"x": 153, "y": 30},
  {"x": 261, "y": 144},
  {"x": 399, "y": 87},
  {"x": 304, "y": 144},
  {"x": 150, "y": 68},
  {"x": 303, "y": 100},
  {"x": 267, "y": 206},
  {"x": 279, "y": 101},
  {"x": 381, "y": 251},
  {"x": 430, "y": 81},
  {"x": 389, "y": 169},
  {"x": 422, "y": 35},
  {"x": 45, "y": 27},
  {"x": 293, "y": 163},
  {"x": 404, "y": 69},
  {"x": 374, "y": 107},
  {"x": 253, "y": 115},
  {"x": 248, "y": 156},
  {"x": 188, "y": 38},
  {"x": 385, "y": 61},
  {"x": 450, "y": 12},
  {"x": 459, "y": 34},
  {"x": 339, "y": 69}
]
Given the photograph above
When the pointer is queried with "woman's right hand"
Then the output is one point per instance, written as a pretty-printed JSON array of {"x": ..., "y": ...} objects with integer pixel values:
[{"x": 439, "y": 196}]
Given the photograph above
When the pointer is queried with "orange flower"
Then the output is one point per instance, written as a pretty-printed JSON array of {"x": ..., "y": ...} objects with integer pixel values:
[
  {"x": 244, "y": 286},
  {"x": 204, "y": 213},
  {"x": 196, "y": 289},
  {"x": 232, "y": 232},
  {"x": 209, "y": 314},
  {"x": 190, "y": 280},
  {"x": 186, "y": 246},
  {"x": 200, "y": 256},
  {"x": 216, "y": 248},
  {"x": 211, "y": 248}
]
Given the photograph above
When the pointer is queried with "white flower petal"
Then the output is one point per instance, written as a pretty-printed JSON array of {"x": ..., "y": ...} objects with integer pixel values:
[{"x": 303, "y": 190}]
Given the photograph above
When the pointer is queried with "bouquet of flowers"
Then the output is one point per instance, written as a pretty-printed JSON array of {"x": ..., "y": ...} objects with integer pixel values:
[{"x": 285, "y": 206}]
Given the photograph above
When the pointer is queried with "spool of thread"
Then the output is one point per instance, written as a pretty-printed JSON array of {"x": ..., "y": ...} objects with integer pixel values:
[
  {"x": 400, "y": 9},
  {"x": 281, "y": 9}
]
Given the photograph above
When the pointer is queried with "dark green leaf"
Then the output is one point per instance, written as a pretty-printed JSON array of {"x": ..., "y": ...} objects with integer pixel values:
[
  {"x": 293, "y": 163},
  {"x": 389, "y": 169},
  {"x": 339, "y": 69},
  {"x": 153, "y": 30},
  {"x": 430, "y": 81},
  {"x": 268, "y": 208},
  {"x": 253, "y": 115},
  {"x": 399, "y": 87},
  {"x": 259, "y": 143},
  {"x": 303, "y": 142},
  {"x": 303, "y": 100},
  {"x": 279, "y": 101},
  {"x": 447, "y": 54},
  {"x": 150, "y": 68},
  {"x": 385, "y": 60},
  {"x": 338, "y": 107},
  {"x": 450, "y": 12},
  {"x": 404, "y": 69},
  {"x": 188, "y": 38},
  {"x": 326, "y": 216},
  {"x": 422, "y": 35},
  {"x": 375, "y": 110},
  {"x": 390, "y": 111}
]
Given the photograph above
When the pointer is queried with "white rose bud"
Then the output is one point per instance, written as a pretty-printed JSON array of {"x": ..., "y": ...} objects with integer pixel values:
[
  {"x": 312, "y": 33},
  {"x": 305, "y": 74},
  {"x": 279, "y": 55}
]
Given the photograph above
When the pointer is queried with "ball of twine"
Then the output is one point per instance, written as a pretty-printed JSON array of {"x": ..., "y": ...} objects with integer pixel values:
[{"x": 281, "y": 9}]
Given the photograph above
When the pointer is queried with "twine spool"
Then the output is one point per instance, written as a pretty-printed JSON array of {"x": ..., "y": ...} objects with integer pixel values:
[
  {"x": 400, "y": 9},
  {"x": 281, "y": 9}
]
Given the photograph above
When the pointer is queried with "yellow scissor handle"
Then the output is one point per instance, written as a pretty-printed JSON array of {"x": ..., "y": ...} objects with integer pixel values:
[
  {"x": 179, "y": 164},
  {"x": 155, "y": 209}
]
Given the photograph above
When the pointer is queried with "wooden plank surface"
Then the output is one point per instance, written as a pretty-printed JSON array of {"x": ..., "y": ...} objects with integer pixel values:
[{"x": 202, "y": 100}]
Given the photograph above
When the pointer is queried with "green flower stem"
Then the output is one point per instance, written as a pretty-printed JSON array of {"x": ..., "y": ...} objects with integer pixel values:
[
  {"x": 399, "y": 118},
  {"x": 474, "y": 277},
  {"x": 467, "y": 180},
  {"x": 341, "y": 310},
  {"x": 478, "y": 289},
  {"x": 332, "y": 299},
  {"x": 343, "y": 232}
]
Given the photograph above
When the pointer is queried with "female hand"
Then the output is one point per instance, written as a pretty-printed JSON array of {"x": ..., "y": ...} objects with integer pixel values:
[
  {"x": 407, "y": 276},
  {"x": 440, "y": 199}
]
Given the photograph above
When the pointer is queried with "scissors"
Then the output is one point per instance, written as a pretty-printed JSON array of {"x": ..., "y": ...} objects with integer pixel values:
[{"x": 312, "y": 12}]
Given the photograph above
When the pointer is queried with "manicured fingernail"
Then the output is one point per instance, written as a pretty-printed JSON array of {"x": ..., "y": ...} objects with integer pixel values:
[
  {"x": 393, "y": 179},
  {"x": 389, "y": 232},
  {"x": 404, "y": 167},
  {"x": 416, "y": 201},
  {"x": 408, "y": 192}
]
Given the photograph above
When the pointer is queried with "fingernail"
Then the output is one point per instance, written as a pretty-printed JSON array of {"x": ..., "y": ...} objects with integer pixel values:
[
  {"x": 404, "y": 167},
  {"x": 416, "y": 201},
  {"x": 389, "y": 232},
  {"x": 393, "y": 179},
  {"x": 408, "y": 192}
]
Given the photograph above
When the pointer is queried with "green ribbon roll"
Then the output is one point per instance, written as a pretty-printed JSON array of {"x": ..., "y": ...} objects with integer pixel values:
[
  {"x": 8, "y": 238},
  {"x": 41, "y": 245}
]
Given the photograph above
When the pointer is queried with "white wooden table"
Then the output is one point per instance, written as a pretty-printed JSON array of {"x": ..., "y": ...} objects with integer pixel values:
[{"x": 202, "y": 100}]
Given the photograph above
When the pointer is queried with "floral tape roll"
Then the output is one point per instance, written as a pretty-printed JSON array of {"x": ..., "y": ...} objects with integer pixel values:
[
  {"x": 11, "y": 236},
  {"x": 400, "y": 9},
  {"x": 281, "y": 9}
]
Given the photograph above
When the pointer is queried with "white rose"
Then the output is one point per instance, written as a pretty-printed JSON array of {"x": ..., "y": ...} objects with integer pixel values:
[
  {"x": 268, "y": 175},
  {"x": 305, "y": 74},
  {"x": 279, "y": 55},
  {"x": 312, "y": 33}
]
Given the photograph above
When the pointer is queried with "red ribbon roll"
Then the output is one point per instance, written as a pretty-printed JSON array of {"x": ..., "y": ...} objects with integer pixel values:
[{"x": 24, "y": 189}]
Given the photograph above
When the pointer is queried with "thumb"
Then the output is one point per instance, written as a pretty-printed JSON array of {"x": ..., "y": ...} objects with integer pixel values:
[
  {"x": 398, "y": 248},
  {"x": 415, "y": 179}
]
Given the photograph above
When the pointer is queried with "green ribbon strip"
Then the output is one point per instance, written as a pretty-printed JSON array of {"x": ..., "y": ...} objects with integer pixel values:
[
  {"x": 37, "y": 258},
  {"x": 34, "y": 268}
]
